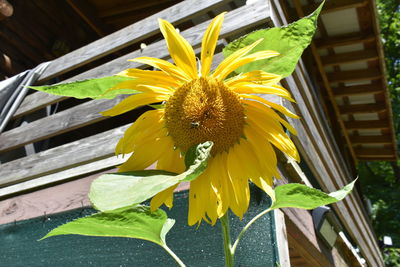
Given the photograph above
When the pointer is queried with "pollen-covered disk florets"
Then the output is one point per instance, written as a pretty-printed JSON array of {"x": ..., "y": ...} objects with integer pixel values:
[{"x": 204, "y": 110}]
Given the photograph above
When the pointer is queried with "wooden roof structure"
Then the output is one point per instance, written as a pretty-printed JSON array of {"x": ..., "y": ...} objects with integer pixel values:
[{"x": 352, "y": 78}]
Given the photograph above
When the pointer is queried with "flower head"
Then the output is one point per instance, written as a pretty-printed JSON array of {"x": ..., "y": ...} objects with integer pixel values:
[{"x": 200, "y": 106}]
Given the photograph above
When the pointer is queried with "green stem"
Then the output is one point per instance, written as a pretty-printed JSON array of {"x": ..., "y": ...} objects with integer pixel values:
[
  {"x": 227, "y": 240},
  {"x": 176, "y": 258},
  {"x": 233, "y": 249}
]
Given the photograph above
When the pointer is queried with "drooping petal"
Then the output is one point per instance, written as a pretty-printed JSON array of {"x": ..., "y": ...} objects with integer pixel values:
[
  {"x": 221, "y": 69},
  {"x": 180, "y": 50},
  {"x": 209, "y": 43},
  {"x": 135, "y": 101},
  {"x": 165, "y": 66},
  {"x": 198, "y": 198}
]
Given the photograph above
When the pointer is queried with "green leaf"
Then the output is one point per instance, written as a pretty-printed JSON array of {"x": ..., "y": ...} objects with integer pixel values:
[
  {"x": 92, "y": 88},
  {"x": 116, "y": 190},
  {"x": 289, "y": 41},
  {"x": 132, "y": 222},
  {"x": 304, "y": 197}
]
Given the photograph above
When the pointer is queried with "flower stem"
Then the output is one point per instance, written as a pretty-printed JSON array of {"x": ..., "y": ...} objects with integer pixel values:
[
  {"x": 258, "y": 216},
  {"x": 227, "y": 240},
  {"x": 176, "y": 258}
]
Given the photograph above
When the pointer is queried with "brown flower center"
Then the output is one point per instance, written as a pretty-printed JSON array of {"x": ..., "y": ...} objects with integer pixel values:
[{"x": 204, "y": 110}]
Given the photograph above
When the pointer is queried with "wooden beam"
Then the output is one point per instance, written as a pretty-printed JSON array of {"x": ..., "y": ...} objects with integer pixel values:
[
  {"x": 358, "y": 90},
  {"x": 88, "y": 13},
  {"x": 367, "y": 125},
  {"x": 6, "y": 9},
  {"x": 133, "y": 6},
  {"x": 335, "y": 5},
  {"x": 354, "y": 75},
  {"x": 350, "y": 57},
  {"x": 362, "y": 108},
  {"x": 345, "y": 39},
  {"x": 374, "y": 152},
  {"x": 374, "y": 139}
]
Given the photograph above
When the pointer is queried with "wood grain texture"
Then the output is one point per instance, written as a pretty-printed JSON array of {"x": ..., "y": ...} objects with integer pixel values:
[
  {"x": 354, "y": 75},
  {"x": 350, "y": 57},
  {"x": 127, "y": 36},
  {"x": 83, "y": 151},
  {"x": 67, "y": 120},
  {"x": 358, "y": 90},
  {"x": 36, "y": 101}
]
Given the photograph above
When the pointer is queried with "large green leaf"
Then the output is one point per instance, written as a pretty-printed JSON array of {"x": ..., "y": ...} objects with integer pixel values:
[
  {"x": 116, "y": 190},
  {"x": 304, "y": 197},
  {"x": 290, "y": 41},
  {"x": 133, "y": 222},
  {"x": 92, "y": 88}
]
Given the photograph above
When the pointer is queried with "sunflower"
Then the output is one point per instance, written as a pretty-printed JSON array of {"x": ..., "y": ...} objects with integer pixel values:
[{"x": 198, "y": 106}]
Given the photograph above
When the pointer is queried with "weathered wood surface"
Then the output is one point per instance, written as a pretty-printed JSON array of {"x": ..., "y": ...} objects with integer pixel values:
[
  {"x": 127, "y": 36},
  {"x": 86, "y": 150},
  {"x": 346, "y": 39},
  {"x": 61, "y": 176},
  {"x": 281, "y": 238},
  {"x": 367, "y": 125},
  {"x": 35, "y": 102},
  {"x": 350, "y": 57},
  {"x": 67, "y": 120},
  {"x": 362, "y": 108},
  {"x": 232, "y": 25}
]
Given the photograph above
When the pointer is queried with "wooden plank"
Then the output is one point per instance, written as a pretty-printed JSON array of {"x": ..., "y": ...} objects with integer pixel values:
[
  {"x": 378, "y": 139},
  {"x": 281, "y": 238},
  {"x": 336, "y": 5},
  {"x": 362, "y": 108},
  {"x": 354, "y": 75},
  {"x": 358, "y": 90},
  {"x": 130, "y": 6},
  {"x": 83, "y": 151},
  {"x": 374, "y": 152},
  {"x": 350, "y": 57},
  {"x": 232, "y": 25},
  {"x": 367, "y": 125},
  {"x": 61, "y": 176},
  {"x": 345, "y": 39},
  {"x": 127, "y": 36},
  {"x": 67, "y": 120}
]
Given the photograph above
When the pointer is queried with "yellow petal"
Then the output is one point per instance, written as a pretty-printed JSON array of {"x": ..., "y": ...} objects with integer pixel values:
[
  {"x": 180, "y": 50},
  {"x": 253, "y": 88},
  {"x": 209, "y": 43},
  {"x": 164, "y": 197},
  {"x": 150, "y": 77},
  {"x": 232, "y": 58},
  {"x": 166, "y": 67},
  {"x": 198, "y": 198},
  {"x": 139, "y": 85},
  {"x": 280, "y": 108},
  {"x": 238, "y": 62},
  {"x": 134, "y": 101},
  {"x": 145, "y": 154}
]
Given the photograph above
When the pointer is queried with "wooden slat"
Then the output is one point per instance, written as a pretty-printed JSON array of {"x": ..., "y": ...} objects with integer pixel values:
[
  {"x": 362, "y": 108},
  {"x": 354, "y": 75},
  {"x": 367, "y": 125},
  {"x": 346, "y": 39},
  {"x": 83, "y": 151},
  {"x": 374, "y": 152},
  {"x": 358, "y": 90},
  {"x": 131, "y": 6},
  {"x": 335, "y": 5},
  {"x": 58, "y": 123},
  {"x": 127, "y": 36},
  {"x": 350, "y": 57},
  {"x": 379, "y": 139},
  {"x": 194, "y": 35}
]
